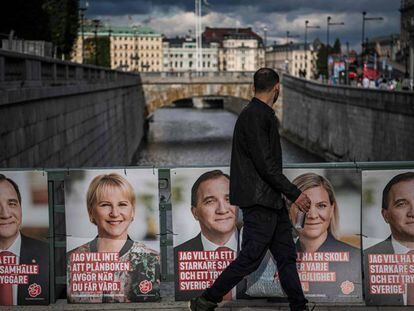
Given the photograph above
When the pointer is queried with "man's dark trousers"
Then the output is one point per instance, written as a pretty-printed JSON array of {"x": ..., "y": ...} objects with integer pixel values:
[{"x": 263, "y": 229}]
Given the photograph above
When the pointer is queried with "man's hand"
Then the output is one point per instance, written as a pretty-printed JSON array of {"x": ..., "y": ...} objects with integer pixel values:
[{"x": 303, "y": 202}]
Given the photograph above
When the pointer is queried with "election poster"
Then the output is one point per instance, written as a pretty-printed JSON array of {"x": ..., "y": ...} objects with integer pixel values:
[
  {"x": 388, "y": 236},
  {"x": 24, "y": 248},
  {"x": 328, "y": 244},
  {"x": 112, "y": 236},
  {"x": 205, "y": 224}
]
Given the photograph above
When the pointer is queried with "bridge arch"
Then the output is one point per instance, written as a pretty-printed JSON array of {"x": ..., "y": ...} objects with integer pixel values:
[{"x": 162, "y": 91}]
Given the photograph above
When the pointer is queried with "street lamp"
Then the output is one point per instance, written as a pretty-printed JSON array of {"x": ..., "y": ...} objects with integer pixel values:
[
  {"x": 265, "y": 36},
  {"x": 363, "y": 27},
  {"x": 82, "y": 11},
  {"x": 96, "y": 24},
  {"x": 328, "y": 24},
  {"x": 306, "y": 34}
]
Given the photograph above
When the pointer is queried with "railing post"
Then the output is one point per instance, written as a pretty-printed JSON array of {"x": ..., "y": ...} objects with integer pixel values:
[
  {"x": 2, "y": 69},
  {"x": 32, "y": 72}
]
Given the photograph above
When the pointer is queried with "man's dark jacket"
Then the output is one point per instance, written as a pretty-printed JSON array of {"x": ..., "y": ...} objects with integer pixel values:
[
  {"x": 384, "y": 247},
  {"x": 256, "y": 176}
]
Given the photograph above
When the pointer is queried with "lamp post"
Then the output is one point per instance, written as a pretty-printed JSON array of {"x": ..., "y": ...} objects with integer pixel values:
[
  {"x": 306, "y": 34},
  {"x": 328, "y": 24},
  {"x": 82, "y": 11},
  {"x": 96, "y": 23},
  {"x": 363, "y": 27},
  {"x": 306, "y": 41}
]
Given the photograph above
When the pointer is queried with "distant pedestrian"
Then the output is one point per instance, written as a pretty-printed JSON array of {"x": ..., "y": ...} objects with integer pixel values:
[
  {"x": 383, "y": 84},
  {"x": 365, "y": 82},
  {"x": 256, "y": 186}
]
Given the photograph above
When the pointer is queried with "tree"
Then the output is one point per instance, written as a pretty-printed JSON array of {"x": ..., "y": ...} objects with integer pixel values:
[
  {"x": 27, "y": 19},
  {"x": 56, "y": 21},
  {"x": 103, "y": 57},
  {"x": 63, "y": 23},
  {"x": 321, "y": 62},
  {"x": 337, "y": 47}
]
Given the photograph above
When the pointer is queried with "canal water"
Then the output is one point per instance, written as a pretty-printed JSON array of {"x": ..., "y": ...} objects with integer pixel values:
[{"x": 199, "y": 137}]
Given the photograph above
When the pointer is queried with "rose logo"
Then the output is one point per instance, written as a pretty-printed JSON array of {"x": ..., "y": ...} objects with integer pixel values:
[
  {"x": 34, "y": 290},
  {"x": 347, "y": 287},
  {"x": 145, "y": 286}
]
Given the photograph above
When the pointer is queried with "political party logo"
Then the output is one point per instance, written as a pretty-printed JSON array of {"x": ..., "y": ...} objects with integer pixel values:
[
  {"x": 347, "y": 287},
  {"x": 145, "y": 286},
  {"x": 34, "y": 290}
]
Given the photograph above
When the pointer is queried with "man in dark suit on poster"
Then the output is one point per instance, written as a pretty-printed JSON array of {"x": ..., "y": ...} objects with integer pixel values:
[
  {"x": 256, "y": 186},
  {"x": 210, "y": 206},
  {"x": 398, "y": 212},
  {"x": 19, "y": 252}
]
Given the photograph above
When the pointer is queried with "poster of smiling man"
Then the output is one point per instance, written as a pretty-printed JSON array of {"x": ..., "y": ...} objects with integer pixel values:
[
  {"x": 24, "y": 248},
  {"x": 328, "y": 244},
  {"x": 388, "y": 231},
  {"x": 205, "y": 227},
  {"x": 112, "y": 236}
]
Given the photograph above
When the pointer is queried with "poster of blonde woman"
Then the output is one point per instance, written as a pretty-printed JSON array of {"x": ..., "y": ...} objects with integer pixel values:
[
  {"x": 112, "y": 236},
  {"x": 327, "y": 239}
]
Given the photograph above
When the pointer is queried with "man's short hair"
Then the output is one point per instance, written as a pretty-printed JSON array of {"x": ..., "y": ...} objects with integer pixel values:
[
  {"x": 204, "y": 177},
  {"x": 16, "y": 188},
  {"x": 265, "y": 79},
  {"x": 395, "y": 180}
]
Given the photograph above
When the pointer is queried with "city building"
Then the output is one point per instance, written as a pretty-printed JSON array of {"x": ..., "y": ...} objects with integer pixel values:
[
  {"x": 179, "y": 54},
  {"x": 385, "y": 46},
  {"x": 407, "y": 34},
  {"x": 240, "y": 49},
  {"x": 293, "y": 59},
  {"x": 136, "y": 48}
]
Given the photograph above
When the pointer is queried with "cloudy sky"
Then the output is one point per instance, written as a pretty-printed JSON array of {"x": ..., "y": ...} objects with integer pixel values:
[{"x": 176, "y": 17}]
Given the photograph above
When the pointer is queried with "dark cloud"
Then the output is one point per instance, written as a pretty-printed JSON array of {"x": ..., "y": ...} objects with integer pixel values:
[
  {"x": 290, "y": 14},
  {"x": 122, "y": 7}
]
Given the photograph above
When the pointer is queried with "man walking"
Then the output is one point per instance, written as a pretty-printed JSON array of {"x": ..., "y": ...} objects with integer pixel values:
[{"x": 256, "y": 186}]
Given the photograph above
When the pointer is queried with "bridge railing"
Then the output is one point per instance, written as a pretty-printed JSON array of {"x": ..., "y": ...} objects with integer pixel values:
[
  {"x": 197, "y": 77},
  {"x": 24, "y": 71}
]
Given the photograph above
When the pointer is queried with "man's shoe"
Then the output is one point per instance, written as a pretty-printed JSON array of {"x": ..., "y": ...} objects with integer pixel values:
[
  {"x": 309, "y": 308},
  {"x": 202, "y": 304}
]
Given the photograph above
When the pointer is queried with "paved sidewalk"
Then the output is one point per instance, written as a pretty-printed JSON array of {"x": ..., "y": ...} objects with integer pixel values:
[{"x": 169, "y": 304}]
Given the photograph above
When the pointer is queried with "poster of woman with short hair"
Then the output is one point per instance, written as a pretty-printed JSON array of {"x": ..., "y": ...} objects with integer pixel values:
[{"x": 112, "y": 236}]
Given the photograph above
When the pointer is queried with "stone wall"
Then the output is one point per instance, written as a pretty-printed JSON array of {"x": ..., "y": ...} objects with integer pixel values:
[
  {"x": 347, "y": 123},
  {"x": 93, "y": 118}
]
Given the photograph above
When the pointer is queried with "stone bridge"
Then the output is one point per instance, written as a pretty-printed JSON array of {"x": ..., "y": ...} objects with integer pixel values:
[{"x": 161, "y": 89}]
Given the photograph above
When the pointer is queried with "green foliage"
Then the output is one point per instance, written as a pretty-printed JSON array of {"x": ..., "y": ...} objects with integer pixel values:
[
  {"x": 321, "y": 61},
  {"x": 26, "y": 18},
  {"x": 322, "y": 57},
  {"x": 55, "y": 21},
  {"x": 337, "y": 47},
  {"x": 102, "y": 51},
  {"x": 63, "y": 23}
]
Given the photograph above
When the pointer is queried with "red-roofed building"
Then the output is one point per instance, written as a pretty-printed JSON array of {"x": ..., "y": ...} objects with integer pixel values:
[{"x": 240, "y": 49}]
